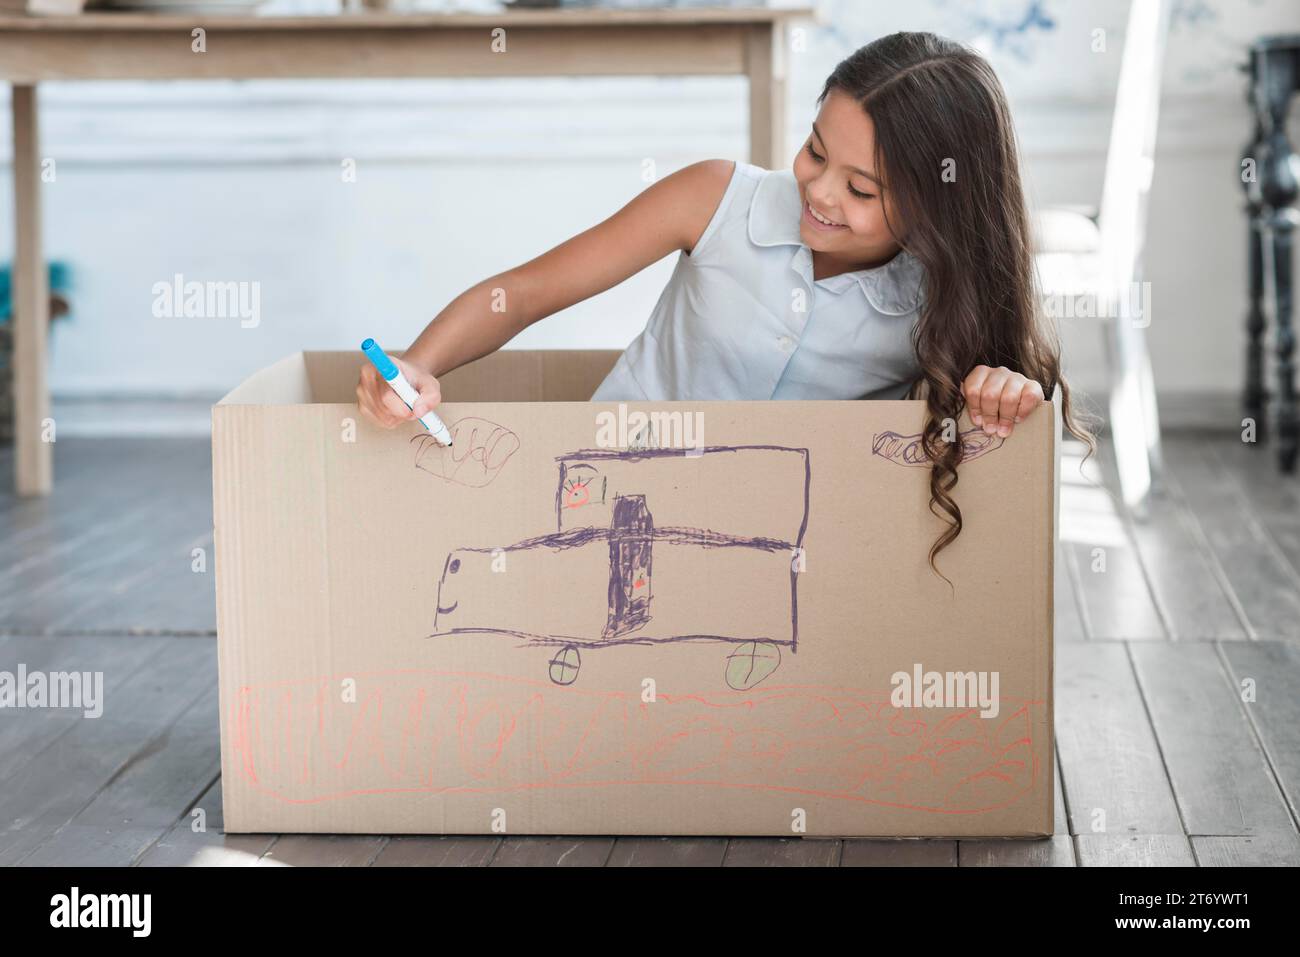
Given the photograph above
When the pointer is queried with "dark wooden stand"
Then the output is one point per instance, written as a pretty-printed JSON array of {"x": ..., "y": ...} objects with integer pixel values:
[{"x": 1271, "y": 191}]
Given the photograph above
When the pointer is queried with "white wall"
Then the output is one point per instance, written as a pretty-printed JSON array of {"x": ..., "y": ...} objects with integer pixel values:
[{"x": 460, "y": 179}]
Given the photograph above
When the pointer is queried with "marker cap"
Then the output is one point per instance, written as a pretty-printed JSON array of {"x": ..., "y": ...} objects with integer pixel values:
[{"x": 380, "y": 358}]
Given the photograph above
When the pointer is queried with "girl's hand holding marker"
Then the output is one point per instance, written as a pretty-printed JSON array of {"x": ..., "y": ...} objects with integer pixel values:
[{"x": 392, "y": 391}]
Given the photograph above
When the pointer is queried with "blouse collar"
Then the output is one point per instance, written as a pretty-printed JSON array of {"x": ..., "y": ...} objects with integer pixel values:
[{"x": 895, "y": 288}]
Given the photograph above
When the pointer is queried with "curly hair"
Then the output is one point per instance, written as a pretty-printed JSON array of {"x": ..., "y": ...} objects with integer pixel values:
[{"x": 937, "y": 105}]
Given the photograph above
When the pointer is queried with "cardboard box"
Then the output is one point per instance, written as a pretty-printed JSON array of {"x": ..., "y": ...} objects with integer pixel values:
[{"x": 571, "y": 624}]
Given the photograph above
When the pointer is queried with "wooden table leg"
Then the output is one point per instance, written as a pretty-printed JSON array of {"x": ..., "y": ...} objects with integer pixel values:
[
  {"x": 33, "y": 453},
  {"x": 765, "y": 66}
]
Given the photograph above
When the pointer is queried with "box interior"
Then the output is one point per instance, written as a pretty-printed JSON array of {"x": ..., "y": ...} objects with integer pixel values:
[{"x": 509, "y": 375}]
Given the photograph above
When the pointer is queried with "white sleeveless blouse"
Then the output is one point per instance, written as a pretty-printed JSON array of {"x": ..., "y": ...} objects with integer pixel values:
[{"x": 743, "y": 318}]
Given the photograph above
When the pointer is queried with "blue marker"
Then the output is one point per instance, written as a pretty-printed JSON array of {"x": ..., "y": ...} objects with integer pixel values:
[{"x": 393, "y": 376}]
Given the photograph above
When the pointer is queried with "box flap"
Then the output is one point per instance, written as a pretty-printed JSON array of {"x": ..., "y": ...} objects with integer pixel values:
[
  {"x": 510, "y": 375},
  {"x": 286, "y": 382}
]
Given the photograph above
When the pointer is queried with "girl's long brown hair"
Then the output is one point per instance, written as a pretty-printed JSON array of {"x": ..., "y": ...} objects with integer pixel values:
[{"x": 938, "y": 106}]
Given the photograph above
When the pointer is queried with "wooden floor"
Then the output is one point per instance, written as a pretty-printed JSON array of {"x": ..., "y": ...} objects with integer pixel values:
[{"x": 1177, "y": 682}]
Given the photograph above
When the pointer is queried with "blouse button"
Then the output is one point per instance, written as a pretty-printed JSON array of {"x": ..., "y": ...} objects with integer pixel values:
[{"x": 785, "y": 342}]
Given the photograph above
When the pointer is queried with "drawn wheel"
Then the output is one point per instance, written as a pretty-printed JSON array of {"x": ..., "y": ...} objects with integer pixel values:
[
  {"x": 565, "y": 665},
  {"x": 750, "y": 663}
]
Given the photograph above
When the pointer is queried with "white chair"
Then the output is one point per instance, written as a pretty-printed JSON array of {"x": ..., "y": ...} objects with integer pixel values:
[{"x": 1077, "y": 256}]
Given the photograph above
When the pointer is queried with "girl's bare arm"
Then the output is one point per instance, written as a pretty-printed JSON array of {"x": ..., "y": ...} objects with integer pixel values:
[{"x": 667, "y": 216}]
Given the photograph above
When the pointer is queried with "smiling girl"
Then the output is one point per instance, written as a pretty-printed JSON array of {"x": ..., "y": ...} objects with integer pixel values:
[{"x": 894, "y": 259}]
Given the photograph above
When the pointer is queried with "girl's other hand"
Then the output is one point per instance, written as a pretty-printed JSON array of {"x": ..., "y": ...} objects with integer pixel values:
[
  {"x": 381, "y": 404},
  {"x": 999, "y": 398}
]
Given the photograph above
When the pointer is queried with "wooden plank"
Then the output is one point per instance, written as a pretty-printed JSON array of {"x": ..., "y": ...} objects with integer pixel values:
[
  {"x": 323, "y": 850},
  {"x": 1134, "y": 850},
  {"x": 33, "y": 455},
  {"x": 782, "y": 852},
  {"x": 1067, "y": 560},
  {"x": 144, "y": 799},
  {"x": 1273, "y": 850},
  {"x": 668, "y": 852},
  {"x": 60, "y": 538},
  {"x": 1223, "y": 784},
  {"x": 1273, "y": 496},
  {"x": 1111, "y": 766},
  {"x": 162, "y": 22},
  {"x": 1056, "y": 851},
  {"x": 1265, "y": 587},
  {"x": 165, "y": 597},
  {"x": 1274, "y": 669},
  {"x": 143, "y": 475},
  {"x": 1270, "y": 493},
  {"x": 1286, "y": 533},
  {"x": 184, "y": 846},
  {"x": 18, "y": 515},
  {"x": 437, "y": 851},
  {"x": 86, "y": 457},
  {"x": 77, "y": 558},
  {"x": 1060, "y": 817},
  {"x": 151, "y": 586},
  {"x": 1115, "y": 598},
  {"x": 61, "y": 593},
  {"x": 25, "y": 733},
  {"x": 585, "y": 50},
  {"x": 1185, "y": 580},
  {"x": 899, "y": 853},
  {"x": 1068, "y": 621},
  {"x": 51, "y": 788},
  {"x": 553, "y": 852},
  {"x": 765, "y": 66}
]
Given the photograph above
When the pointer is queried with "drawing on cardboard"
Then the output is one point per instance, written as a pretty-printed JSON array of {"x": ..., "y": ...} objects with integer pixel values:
[
  {"x": 633, "y": 548},
  {"x": 445, "y": 732},
  {"x": 580, "y": 485},
  {"x": 907, "y": 449},
  {"x": 479, "y": 449}
]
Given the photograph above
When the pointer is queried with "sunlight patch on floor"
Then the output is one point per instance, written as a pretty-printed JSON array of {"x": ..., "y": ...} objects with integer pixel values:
[{"x": 1089, "y": 512}]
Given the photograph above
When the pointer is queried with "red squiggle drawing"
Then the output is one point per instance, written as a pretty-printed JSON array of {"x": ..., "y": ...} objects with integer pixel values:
[
  {"x": 478, "y": 451},
  {"x": 447, "y": 732}
]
